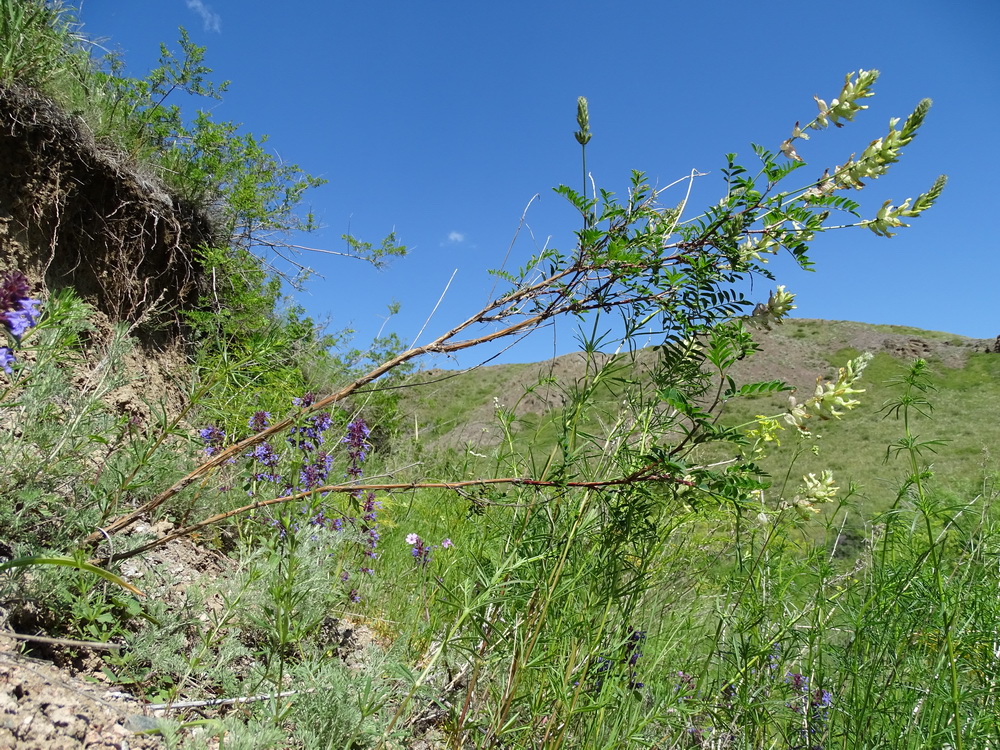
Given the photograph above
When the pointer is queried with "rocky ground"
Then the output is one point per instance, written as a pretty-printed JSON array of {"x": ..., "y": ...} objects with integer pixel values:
[
  {"x": 64, "y": 701},
  {"x": 43, "y": 708}
]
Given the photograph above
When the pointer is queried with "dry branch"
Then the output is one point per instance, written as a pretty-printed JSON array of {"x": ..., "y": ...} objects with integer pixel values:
[
  {"x": 552, "y": 296},
  {"x": 645, "y": 475}
]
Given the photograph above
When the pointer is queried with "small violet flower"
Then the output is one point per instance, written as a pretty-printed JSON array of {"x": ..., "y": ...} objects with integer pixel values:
[
  {"x": 213, "y": 437},
  {"x": 422, "y": 551},
  {"x": 307, "y": 400},
  {"x": 23, "y": 317}
]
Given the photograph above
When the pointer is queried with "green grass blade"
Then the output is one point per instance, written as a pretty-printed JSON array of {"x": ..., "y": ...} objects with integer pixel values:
[{"x": 70, "y": 562}]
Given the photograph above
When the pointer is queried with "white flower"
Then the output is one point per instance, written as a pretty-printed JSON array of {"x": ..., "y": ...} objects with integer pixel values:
[
  {"x": 779, "y": 304},
  {"x": 789, "y": 150}
]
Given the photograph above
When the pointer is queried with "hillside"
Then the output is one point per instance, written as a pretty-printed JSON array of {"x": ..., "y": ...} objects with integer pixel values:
[{"x": 456, "y": 409}]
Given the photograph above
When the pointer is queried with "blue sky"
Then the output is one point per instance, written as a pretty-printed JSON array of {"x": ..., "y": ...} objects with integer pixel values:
[{"x": 442, "y": 119}]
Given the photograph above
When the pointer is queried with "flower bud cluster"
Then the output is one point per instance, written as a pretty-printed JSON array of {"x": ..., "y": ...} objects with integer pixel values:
[
  {"x": 765, "y": 431},
  {"x": 583, "y": 135},
  {"x": 845, "y": 106},
  {"x": 882, "y": 152},
  {"x": 890, "y": 217},
  {"x": 814, "y": 491}
]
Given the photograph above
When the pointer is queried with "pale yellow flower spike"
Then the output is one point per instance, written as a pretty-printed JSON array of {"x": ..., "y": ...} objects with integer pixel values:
[{"x": 830, "y": 400}]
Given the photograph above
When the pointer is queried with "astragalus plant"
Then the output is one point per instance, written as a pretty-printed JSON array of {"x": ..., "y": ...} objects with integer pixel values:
[{"x": 577, "y": 613}]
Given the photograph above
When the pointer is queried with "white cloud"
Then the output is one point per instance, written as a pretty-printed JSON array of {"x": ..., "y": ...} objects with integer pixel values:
[
  {"x": 456, "y": 237},
  {"x": 211, "y": 20}
]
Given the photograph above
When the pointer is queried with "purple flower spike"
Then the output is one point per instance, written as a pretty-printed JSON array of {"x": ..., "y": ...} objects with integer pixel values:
[
  {"x": 798, "y": 681},
  {"x": 265, "y": 454},
  {"x": 18, "y": 313},
  {"x": 24, "y": 317},
  {"x": 259, "y": 421},
  {"x": 13, "y": 288},
  {"x": 421, "y": 550}
]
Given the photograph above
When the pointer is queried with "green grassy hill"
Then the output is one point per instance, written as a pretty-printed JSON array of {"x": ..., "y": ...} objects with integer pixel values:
[{"x": 457, "y": 410}]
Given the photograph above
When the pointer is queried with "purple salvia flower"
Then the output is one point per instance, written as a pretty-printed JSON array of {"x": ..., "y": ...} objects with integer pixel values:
[
  {"x": 314, "y": 474},
  {"x": 18, "y": 313},
  {"x": 798, "y": 682},
  {"x": 421, "y": 550},
  {"x": 633, "y": 652},
  {"x": 22, "y": 318},
  {"x": 321, "y": 422},
  {"x": 259, "y": 421},
  {"x": 265, "y": 454},
  {"x": 7, "y": 359},
  {"x": 310, "y": 477},
  {"x": 356, "y": 440},
  {"x": 370, "y": 508},
  {"x": 357, "y": 433},
  {"x": 311, "y": 432}
]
